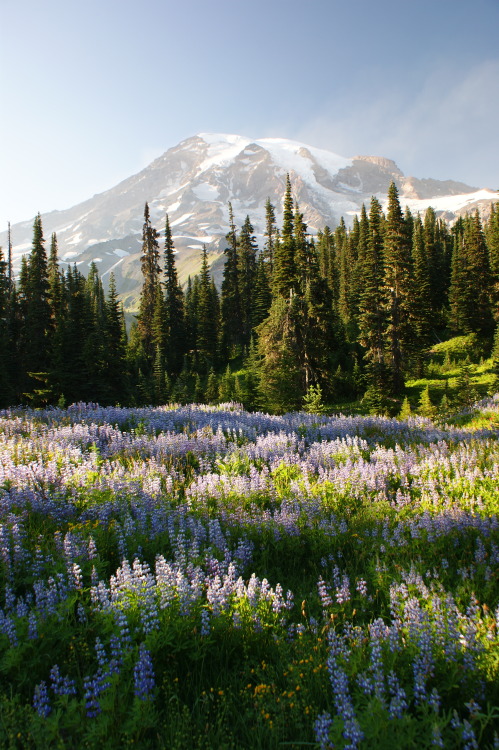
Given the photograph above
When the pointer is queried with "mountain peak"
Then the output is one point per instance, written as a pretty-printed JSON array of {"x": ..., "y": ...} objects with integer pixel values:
[{"x": 194, "y": 181}]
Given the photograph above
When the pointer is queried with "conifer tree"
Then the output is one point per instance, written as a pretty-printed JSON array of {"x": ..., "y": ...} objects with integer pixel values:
[
  {"x": 35, "y": 310},
  {"x": 397, "y": 292},
  {"x": 426, "y": 407},
  {"x": 230, "y": 302},
  {"x": 372, "y": 312},
  {"x": 151, "y": 279},
  {"x": 312, "y": 400},
  {"x": 211, "y": 392},
  {"x": 270, "y": 236},
  {"x": 94, "y": 373},
  {"x": 115, "y": 346},
  {"x": 70, "y": 367},
  {"x": 459, "y": 290},
  {"x": 284, "y": 278},
  {"x": 302, "y": 250},
  {"x": 227, "y": 386},
  {"x": 191, "y": 316},
  {"x": 317, "y": 328},
  {"x": 159, "y": 369},
  {"x": 480, "y": 313},
  {"x": 342, "y": 270},
  {"x": 422, "y": 312},
  {"x": 280, "y": 378},
  {"x": 349, "y": 286},
  {"x": 6, "y": 390},
  {"x": 492, "y": 238},
  {"x": 323, "y": 244},
  {"x": 262, "y": 297},
  {"x": 175, "y": 335},
  {"x": 438, "y": 273},
  {"x": 207, "y": 317},
  {"x": 55, "y": 279},
  {"x": 246, "y": 267},
  {"x": 471, "y": 289}
]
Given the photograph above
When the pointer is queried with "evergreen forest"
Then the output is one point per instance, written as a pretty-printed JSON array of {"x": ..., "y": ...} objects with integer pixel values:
[{"x": 345, "y": 317}]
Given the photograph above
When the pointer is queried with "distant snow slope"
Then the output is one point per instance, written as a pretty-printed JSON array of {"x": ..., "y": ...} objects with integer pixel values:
[{"x": 195, "y": 181}]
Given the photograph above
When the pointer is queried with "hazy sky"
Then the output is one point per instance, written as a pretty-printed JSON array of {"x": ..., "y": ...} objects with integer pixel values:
[{"x": 92, "y": 90}]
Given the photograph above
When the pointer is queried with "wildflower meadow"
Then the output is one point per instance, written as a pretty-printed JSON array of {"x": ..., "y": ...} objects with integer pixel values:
[{"x": 203, "y": 577}]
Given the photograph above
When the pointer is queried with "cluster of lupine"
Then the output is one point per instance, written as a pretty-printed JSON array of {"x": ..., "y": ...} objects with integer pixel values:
[{"x": 131, "y": 539}]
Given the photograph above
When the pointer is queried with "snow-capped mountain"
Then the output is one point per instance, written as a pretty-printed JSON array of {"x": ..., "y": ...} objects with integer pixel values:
[{"x": 193, "y": 183}]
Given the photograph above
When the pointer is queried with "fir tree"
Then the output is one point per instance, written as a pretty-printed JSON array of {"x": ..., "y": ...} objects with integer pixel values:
[
  {"x": 422, "y": 313},
  {"x": 175, "y": 334},
  {"x": 397, "y": 292},
  {"x": 459, "y": 288},
  {"x": 151, "y": 278},
  {"x": 226, "y": 387},
  {"x": 246, "y": 266},
  {"x": 325, "y": 249},
  {"x": 471, "y": 281},
  {"x": 480, "y": 318},
  {"x": 115, "y": 346},
  {"x": 211, "y": 393},
  {"x": 6, "y": 390},
  {"x": 284, "y": 278},
  {"x": 262, "y": 296},
  {"x": 207, "y": 317},
  {"x": 372, "y": 312},
  {"x": 312, "y": 400},
  {"x": 37, "y": 319},
  {"x": 280, "y": 378},
  {"x": 230, "y": 303},
  {"x": 438, "y": 273},
  {"x": 426, "y": 407},
  {"x": 270, "y": 236},
  {"x": 55, "y": 279},
  {"x": 405, "y": 411},
  {"x": 492, "y": 238}
]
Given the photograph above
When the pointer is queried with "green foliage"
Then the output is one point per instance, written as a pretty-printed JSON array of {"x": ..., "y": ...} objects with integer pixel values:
[
  {"x": 405, "y": 411},
  {"x": 312, "y": 400},
  {"x": 353, "y": 311},
  {"x": 280, "y": 378},
  {"x": 426, "y": 407}
]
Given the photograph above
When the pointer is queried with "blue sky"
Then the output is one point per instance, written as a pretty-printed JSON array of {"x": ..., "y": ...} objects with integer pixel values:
[{"x": 91, "y": 92}]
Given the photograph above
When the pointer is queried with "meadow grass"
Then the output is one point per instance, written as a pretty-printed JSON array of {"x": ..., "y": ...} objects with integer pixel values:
[{"x": 202, "y": 577}]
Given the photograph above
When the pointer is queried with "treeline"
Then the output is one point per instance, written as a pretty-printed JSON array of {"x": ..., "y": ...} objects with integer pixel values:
[{"x": 350, "y": 313}]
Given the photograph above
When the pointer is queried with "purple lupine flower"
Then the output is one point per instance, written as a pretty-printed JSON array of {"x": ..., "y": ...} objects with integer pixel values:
[
  {"x": 41, "y": 701},
  {"x": 434, "y": 700},
  {"x": 61, "y": 685},
  {"x": 100, "y": 652},
  {"x": 92, "y": 549},
  {"x": 468, "y": 736},
  {"x": 365, "y": 683},
  {"x": 361, "y": 587},
  {"x": 324, "y": 595},
  {"x": 32, "y": 626},
  {"x": 377, "y": 632},
  {"x": 81, "y": 614},
  {"x": 9, "y": 628},
  {"x": 116, "y": 661},
  {"x": 93, "y": 687},
  {"x": 77, "y": 576},
  {"x": 205, "y": 622},
  {"x": 342, "y": 700},
  {"x": 322, "y": 725},
  {"x": 143, "y": 675},
  {"x": 436, "y": 737},
  {"x": 398, "y": 701}
]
